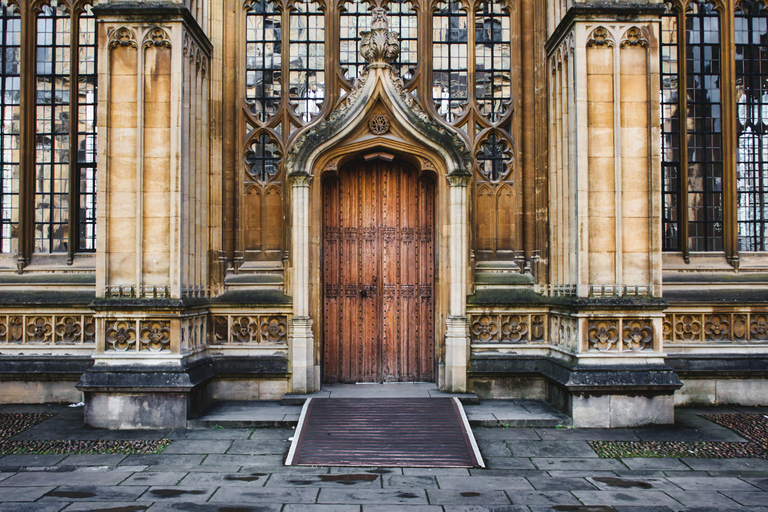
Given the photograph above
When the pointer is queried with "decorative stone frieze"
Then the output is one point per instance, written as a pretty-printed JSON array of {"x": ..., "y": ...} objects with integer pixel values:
[
  {"x": 737, "y": 327},
  {"x": 124, "y": 37},
  {"x": 508, "y": 328},
  {"x": 245, "y": 329},
  {"x": 49, "y": 329}
]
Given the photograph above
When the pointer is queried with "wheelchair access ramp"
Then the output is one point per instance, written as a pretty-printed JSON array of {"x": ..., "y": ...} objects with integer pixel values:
[{"x": 385, "y": 432}]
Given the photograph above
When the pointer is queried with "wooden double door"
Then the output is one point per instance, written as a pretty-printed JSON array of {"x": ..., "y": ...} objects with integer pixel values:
[{"x": 378, "y": 274}]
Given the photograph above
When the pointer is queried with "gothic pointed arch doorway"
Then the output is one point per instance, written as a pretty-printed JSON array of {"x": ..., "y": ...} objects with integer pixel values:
[{"x": 378, "y": 273}]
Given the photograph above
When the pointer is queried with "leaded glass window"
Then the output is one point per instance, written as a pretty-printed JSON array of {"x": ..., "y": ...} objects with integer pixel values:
[
  {"x": 449, "y": 59},
  {"x": 307, "y": 59},
  {"x": 751, "y": 31},
  {"x": 86, "y": 129},
  {"x": 52, "y": 130},
  {"x": 493, "y": 60},
  {"x": 704, "y": 128},
  {"x": 354, "y": 18},
  {"x": 11, "y": 125},
  {"x": 670, "y": 131},
  {"x": 263, "y": 60}
]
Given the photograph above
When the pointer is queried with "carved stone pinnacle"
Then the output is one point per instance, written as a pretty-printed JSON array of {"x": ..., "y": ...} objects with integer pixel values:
[{"x": 379, "y": 47}]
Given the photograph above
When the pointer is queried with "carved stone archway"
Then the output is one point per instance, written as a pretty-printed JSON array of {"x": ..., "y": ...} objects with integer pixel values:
[{"x": 381, "y": 87}]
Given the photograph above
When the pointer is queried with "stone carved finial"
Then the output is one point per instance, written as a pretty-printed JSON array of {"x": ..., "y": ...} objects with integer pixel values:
[{"x": 379, "y": 45}]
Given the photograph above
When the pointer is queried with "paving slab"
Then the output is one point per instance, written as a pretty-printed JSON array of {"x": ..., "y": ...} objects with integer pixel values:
[
  {"x": 32, "y": 507},
  {"x": 746, "y": 498},
  {"x": 713, "y": 500},
  {"x": 503, "y": 434},
  {"x": 321, "y": 508},
  {"x": 409, "y": 482},
  {"x": 508, "y": 463},
  {"x": 171, "y": 460},
  {"x": 180, "y": 493},
  {"x": 225, "y": 479},
  {"x": 646, "y": 463},
  {"x": 217, "y": 459},
  {"x": 212, "y": 507},
  {"x": 586, "y": 434},
  {"x": 259, "y": 447},
  {"x": 718, "y": 483},
  {"x": 108, "y": 506},
  {"x": 29, "y": 478},
  {"x": 551, "y": 449},
  {"x": 236, "y": 494},
  {"x": 110, "y": 459},
  {"x": 473, "y": 496},
  {"x": 31, "y": 460},
  {"x": 722, "y": 464},
  {"x": 373, "y": 496},
  {"x": 402, "y": 508},
  {"x": 148, "y": 478},
  {"x": 366, "y": 480},
  {"x": 577, "y": 464},
  {"x": 630, "y": 497},
  {"x": 198, "y": 446},
  {"x": 75, "y": 493},
  {"x": 498, "y": 483},
  {"x": 481, "y": 508},
  {"x": 494, "y": 449},
  {"x": 548, "y": 483},
  {"x": 542, "y": 498},
  {"x": 610, "y": 483},
  {"x": 211, "y": 433},
  {"x": 31, "y": 493}
]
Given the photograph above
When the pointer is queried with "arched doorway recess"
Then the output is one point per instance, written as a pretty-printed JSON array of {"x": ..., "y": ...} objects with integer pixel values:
[{"x": 379, "y": 119}]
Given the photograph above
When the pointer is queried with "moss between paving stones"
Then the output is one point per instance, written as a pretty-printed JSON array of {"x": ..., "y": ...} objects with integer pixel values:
[
  {"x": 14, "y": 423},
  {"x": 751, "y": 426},
  {"x": 674, "y": 449},
  {"x": 82, "y": 447}
]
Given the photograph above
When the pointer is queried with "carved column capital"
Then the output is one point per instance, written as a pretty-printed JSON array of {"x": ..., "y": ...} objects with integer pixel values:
[
  {"x": 300, "y": 180},
  {"x": 458, "y": 180}
]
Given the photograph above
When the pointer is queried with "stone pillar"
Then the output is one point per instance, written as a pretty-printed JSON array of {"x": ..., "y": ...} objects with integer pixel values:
[
  {"x": 305, "y": 374},
  {"x": 457, "y": 324},
  {"x": 605, "y": 265},
  {"x": 151, "y": 275}
]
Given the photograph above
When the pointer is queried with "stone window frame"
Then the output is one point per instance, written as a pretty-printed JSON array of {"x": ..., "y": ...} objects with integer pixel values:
[
  {"x": 679, "y": 11},
  {"x": 27, "y": 189}
]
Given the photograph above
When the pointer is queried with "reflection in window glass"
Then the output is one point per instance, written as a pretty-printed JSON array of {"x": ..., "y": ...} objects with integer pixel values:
[
  {"x": 403, "y": 20},
  {"x": 307, "y": 59},
  {"x": 52, "y": 102},
  {"x": 263, "y": 53},
  {"x": 355, "y": 18},
  {"x": 449, "y": 59},
  {"x": 704, "y": 129},
  {"x": 9, "y": 142},
  {"x": 86, "y": 129},
  {"x": 493, "y": 60},
  {"x": 751, "y": 24},
  {"x": 670, "y": 131}
]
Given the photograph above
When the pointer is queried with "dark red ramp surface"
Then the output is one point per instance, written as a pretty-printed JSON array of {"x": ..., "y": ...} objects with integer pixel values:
[{"x": 396, "y": 432}]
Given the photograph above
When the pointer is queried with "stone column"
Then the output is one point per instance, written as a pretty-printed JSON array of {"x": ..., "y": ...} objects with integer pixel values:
[
  {"x": 305, "y": 375},
  {"x": 457, "y": 325}
]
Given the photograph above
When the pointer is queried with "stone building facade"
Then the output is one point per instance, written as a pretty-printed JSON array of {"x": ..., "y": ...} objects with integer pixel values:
[{"x": 224, "y": 199}]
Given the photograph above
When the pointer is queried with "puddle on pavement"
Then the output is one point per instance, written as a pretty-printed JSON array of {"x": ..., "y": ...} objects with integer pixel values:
[
  {"x": 245, "y": 478},
  {"x": 470, "y": 494},
  {"x": 172, "y": 493},
  {"x": 348, "y": 479},
  {"x": 581, "y": 508},
  {"x": 130, "y": 508},
  {"x": 71, "y": 494},
  {"x": 620, "y": 482}
]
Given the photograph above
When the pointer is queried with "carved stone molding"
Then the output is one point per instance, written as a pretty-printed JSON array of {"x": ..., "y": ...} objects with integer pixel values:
[
  {"x": 379, "y": 46},
  {"x": 300, "y": 180},
  {"x": 600, "y": 37},
  {"x": 459, "y": 180},
  {"x": 122, "y": 37},
  {"x": 635, "y": 36},
  {"x": 158, "y": 38}
]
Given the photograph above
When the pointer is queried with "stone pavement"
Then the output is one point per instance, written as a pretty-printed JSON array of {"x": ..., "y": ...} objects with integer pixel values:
[{"x": 241, "y": 470}]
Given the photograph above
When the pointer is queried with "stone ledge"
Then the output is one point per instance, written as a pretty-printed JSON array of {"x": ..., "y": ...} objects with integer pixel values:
[{"x": 718, "y": 365}]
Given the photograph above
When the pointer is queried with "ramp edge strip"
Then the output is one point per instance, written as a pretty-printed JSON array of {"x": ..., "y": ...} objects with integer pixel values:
[
  {"x": 470, "y": 434},
  {"x": 297, "y": 434}
]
